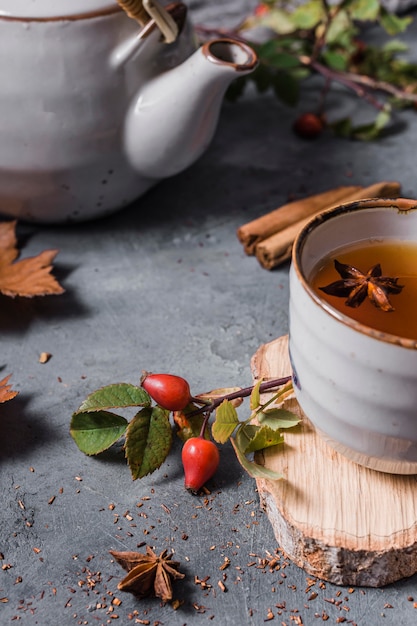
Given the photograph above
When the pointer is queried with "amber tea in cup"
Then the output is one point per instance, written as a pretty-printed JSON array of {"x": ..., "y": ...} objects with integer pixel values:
[
  {"x": 374, "y": 283},
  {"x": 353, "y": 330}
]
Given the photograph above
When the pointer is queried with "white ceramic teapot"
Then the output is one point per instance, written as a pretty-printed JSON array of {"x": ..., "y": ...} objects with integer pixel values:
[{"x": 95, "y": 107}]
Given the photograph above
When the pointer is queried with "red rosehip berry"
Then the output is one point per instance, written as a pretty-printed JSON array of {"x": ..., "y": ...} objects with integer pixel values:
[
  {"x": 200, "y": 459},
  {"x": 308, "y": 125},
  {"x": 169, "y": 391},
  {"x": 261, "y": 9}
]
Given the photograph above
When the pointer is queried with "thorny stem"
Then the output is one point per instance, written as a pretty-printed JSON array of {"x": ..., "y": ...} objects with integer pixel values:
[
  {"x": 344, "y": 79},
  {"x": 380, "y": 85},
  {"x": 279, "y": 394},
  {"x": 321, "y": 39},
  {"x": 207, "y": 409},
  {"x": 204, "y": 424},
  {"x": 360, "y": 84}
]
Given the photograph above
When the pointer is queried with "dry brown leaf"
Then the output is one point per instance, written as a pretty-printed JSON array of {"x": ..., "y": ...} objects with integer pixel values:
[
  {"x": 6, "y": 392},
  {"x": 215, "y": 394},
  {"x": 148, "y": 574},
  {"x": 27, "y": 277}
]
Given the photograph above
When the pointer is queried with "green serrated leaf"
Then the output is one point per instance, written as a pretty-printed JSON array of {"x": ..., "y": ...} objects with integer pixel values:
[
  {"x": 225, "y": 422},
  {"x": 368, "y": 132},
  {"x": 342, "y": 128},
  {"x": 115, "y": 396},
  {"x": 95, "y": 432},
  {"x": 254, "y": 469},
  {"x": 262, "y": 77},
  {"x": 265, "y": 437},
  {"x": 394, "y": 46},
  {"x": 286, "y": 87},
  {"x": 244, "y": 435},
  {"x": 279, "y": 59},
  {"x": 255, "y": 396},
  {"x": 278, "y": 21},
  {"x": 336, "y": 60},
  {"x": 341, "y": 30},
  {"x": 308, "y": 15},
  {"x": 394, "y": 24},
  {"x": 299, "y": 74},
  {"x": 278, "y": 418},
  {"x": 364, "y": 10},
  {"x": 148, "y": 441}
]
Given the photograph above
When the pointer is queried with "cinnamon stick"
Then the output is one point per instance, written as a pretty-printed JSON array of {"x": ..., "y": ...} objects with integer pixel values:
[
  {"x": 257, "y": 230},
  {"x": 277, "y": 248}
]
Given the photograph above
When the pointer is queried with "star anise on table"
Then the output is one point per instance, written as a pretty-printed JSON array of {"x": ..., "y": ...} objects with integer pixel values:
[
  {"x": 148, "y": 574},
  {"x": 355, "y": 286}
]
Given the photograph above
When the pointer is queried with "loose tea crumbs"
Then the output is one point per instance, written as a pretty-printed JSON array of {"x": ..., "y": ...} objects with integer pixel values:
[
  {"x": 270, "y": 615},
  {"x": 225, "y": 564},
  {"x": 44, "y": 357}
]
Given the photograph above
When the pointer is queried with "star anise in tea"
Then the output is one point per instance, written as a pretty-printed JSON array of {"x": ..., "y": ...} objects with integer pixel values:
[
  {"x": 148, "y": 574},
  {"x": 355, "y": 286}
]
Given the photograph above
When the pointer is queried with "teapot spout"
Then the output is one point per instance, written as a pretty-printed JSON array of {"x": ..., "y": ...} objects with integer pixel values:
[{"x": 174, "y": 116}]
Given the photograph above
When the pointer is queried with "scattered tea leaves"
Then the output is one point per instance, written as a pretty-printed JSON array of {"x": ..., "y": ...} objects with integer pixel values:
[{"x": 44, "y": 357}]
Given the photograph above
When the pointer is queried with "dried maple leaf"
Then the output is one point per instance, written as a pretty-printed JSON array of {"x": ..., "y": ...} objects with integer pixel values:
[
  {"x": 149, "y": 574},
  {"x": 27, "y": 277},
  {"x": 6, "y": 392}
]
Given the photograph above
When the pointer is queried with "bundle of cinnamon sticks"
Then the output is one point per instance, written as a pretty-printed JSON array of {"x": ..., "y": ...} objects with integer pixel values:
[{"x": 270, "y": 237}]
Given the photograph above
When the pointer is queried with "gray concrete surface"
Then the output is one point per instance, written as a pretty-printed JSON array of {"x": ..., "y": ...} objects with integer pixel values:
[{"x": 165, "y": 285}]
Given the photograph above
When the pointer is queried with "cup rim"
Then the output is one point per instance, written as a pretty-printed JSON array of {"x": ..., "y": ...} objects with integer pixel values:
[{"x": 402, "y": 205}]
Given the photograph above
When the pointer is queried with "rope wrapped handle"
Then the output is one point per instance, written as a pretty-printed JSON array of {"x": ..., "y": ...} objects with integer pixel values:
[
  {"x": 143, "y": 11},
  {"x": 135, "y": 10}
]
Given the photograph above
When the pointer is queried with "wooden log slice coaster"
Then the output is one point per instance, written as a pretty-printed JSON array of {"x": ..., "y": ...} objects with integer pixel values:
[{"x": 335, "y": 519}]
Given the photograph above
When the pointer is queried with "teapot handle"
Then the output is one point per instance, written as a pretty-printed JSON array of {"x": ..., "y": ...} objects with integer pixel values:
[
  {"x": 174, "y": 15},
  {"x": 163, "y": 19},
  {"x": 145, "y": 10},
  {"x": 135, "y": 10}
]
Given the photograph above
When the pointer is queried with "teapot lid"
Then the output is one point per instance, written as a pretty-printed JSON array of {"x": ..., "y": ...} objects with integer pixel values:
[{"x": 52, "y": 8}]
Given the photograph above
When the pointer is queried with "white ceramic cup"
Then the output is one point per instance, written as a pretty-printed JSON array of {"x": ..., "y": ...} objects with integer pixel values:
[{"x": 357, "y": 385}]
